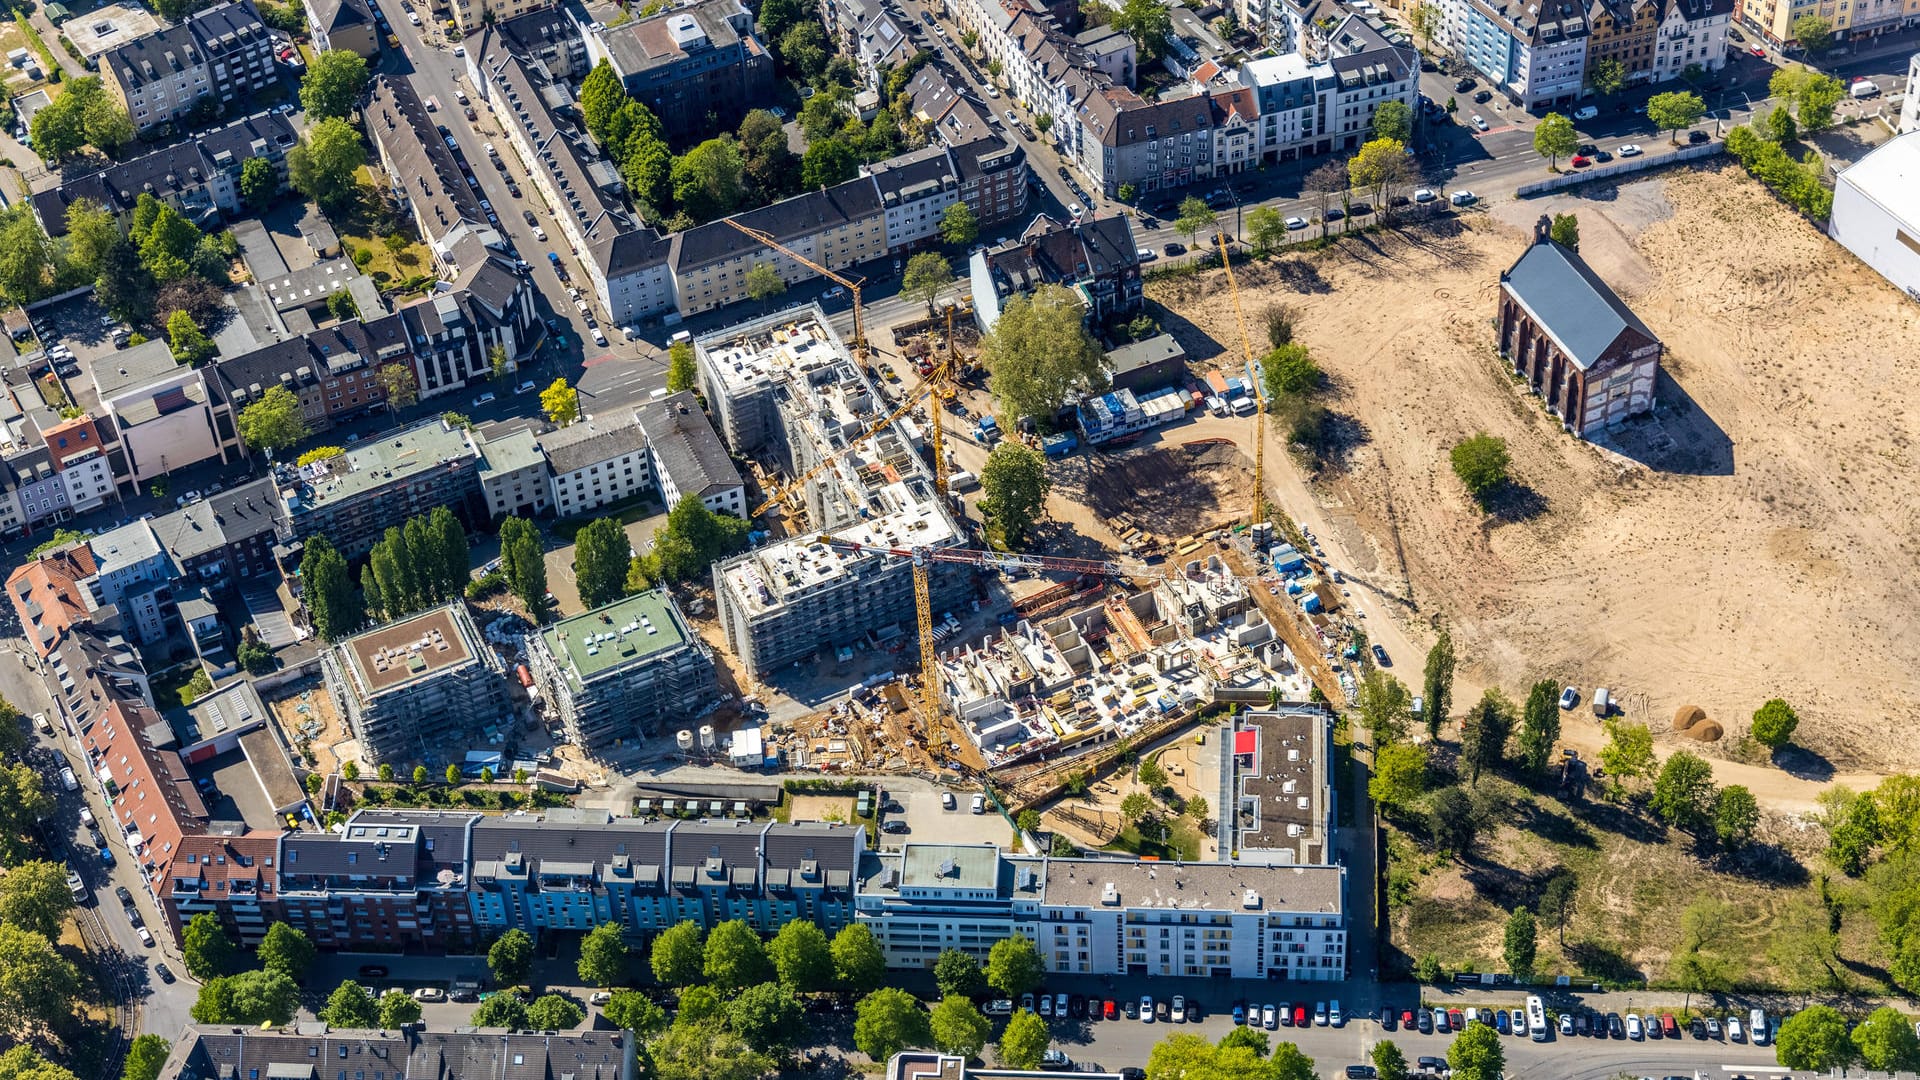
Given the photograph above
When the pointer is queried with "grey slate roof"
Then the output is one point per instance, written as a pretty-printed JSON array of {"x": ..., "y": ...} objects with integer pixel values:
[
  {"x": 590, "y": 442},
  {"x": 167, "y": 171},
  {"x": 1566, "y": 297},
  {"x": 573, "y": 836},
  {"x": 803, "y": 215},
  {"x": 686, "y": 445},
  {"x": 310, "y": 1050}
]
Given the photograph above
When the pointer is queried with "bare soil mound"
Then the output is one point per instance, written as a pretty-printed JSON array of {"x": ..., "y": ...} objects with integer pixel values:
[
  {"x": 1687, "y": 716},
  {"x": 1704, "y": 731}
]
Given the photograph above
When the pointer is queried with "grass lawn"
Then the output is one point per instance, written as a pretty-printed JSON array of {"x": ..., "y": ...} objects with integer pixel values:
[
  {"x": 1636, "y": 880},
  {"x": 365, "y": 227},
  {"x": 169, "y": 687},
  {"x": 1180, "y": 841}
]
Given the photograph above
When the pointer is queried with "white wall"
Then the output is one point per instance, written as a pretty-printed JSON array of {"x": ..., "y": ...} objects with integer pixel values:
[{"x": 1882, "y": 241}]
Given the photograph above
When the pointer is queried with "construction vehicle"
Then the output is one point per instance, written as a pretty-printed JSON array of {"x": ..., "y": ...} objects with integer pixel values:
[{"x": 1253, "y": 384}]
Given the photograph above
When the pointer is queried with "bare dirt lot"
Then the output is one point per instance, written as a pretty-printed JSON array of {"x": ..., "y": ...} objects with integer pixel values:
[{"x": 1755, "y": 538}]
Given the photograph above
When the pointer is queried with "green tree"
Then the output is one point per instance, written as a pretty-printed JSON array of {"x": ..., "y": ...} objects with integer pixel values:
[
  {"x": 1540, "y": 724},
  {"x": 705, "y": 1050},
  {"x": 928, "y": 275},
  {"x": 1886, "y": 1041},
  {"x": 887, "y": 1021},
  {"x": 1384, "y": 705},
  {"x": 1774, "y": 724},
  {"x": 397, "y": 1008},
  {"x": 322, "y": 166},
  {"x": 1393, "y": 120},
  {"x": 1399, "y": 776},
  {"x": 287, "y": 950},
  {"x": 560, "y": 402},
  {"x": 510, "y": 958},
  {"x": 1381, "y": 164},
  {"x": 1607, "y": 75},
  {"x": 708, "y": 179},
  {"x": 1628, "y": 754},
  {"x": 603, "y": 956},
  {"x": 501, "y": 1011},
  {"x": 764, "y": 283},
  {"x": 123, "y": 285},
  {"x": 1484, "y": 733},
  {"x": 26, "y": 255},
  {"x": 1554, "y": 138},
  {"x": 682, "y": 372},
  {"x": 1476, "y": 1054},
  {"x": 734, "y": 957},
  {"x": 1014, "y": 966},
  {"x": 768, "y": 1016},
  {"x": 828, "y": 162},
  {"x": 1558, "y": 899},
  {"x": 205, "y": 948},
  {"x": 1814, "y": 1039},
  {"x": 248, "y": 999},
  {"x": 399, "y": 384},
  {"x": 33, "y": 895},
  {"x": 1137, "y": 807},
  {"x": 1014, "y": 486},
  {"x": 958, "y": 225},
  {"x": 635, "y": 1012},
  {"x": 552, "y": 1012},
  {"x": 957, "y": 1027},
  {"x": 601, "y": 96},
  {"x": 145, "y": 1057},
  {"x": 802, "y": 956},
  {"x": 1438, "y": 675},
  {"x": 1425, "y": 20},
  {"x": 679, "y": 954},
  {"x": 1148, "y": 23},
  {"x": 1674, "y": 110},
  {"x": 333, "y": 84},
  {"x": 1388, "y": 1062},
  {"x": 1040, "y": 352},
  {"x": 1778, "y": 125},
  {"x": 693, "y": 538},
  {"x": 386, "y": 772},
  {"x": 524, "y": 564},
  {"x": 1697, "y": 967},
  {"x": 332, "y": 607},
  {"x": 1683, "y": 792},
  {"x": 1481, "y": 463},
  {"x": 1456, "y": 822},
  {"x": 1250, "y": 1037},
  {"x": 453, "y": 775},
  {"x": 192, "y": 347},
  {"x": 1198, "y": 809},
  {"x": 958, "y": 974},
  {"x": 350, "y": 1006},
  {"x": 420, "y": 774},
  {"x": 91, "y": 233},
  {"x": 1266, "y": 229},
  {"x": 1566, "y": 231},
  {"x": 1817, "y": 96},
  {"x": 1520, "y": 943},
  {"x": 1814, "y": 33},
  {"x": 259, "y": 183},
  {"x": 1290, "y": 371},
  {"x": 858, "y": 962},
  {"x": 600, "y": 555},
  {"x": 1196, "y": 217},
  {"x": 1024, "y": 1040}
]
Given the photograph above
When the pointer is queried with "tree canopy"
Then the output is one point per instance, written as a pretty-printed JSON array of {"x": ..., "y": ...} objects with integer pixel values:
[
  {"x": 1555, "y": 138},
  {"x": 678, "y": 954},
  {"x": 858, "y": 962},
  {"x": 1039, "y": 353},
  {"x": 601, "y": 554},
  {"x": 333, "y": 84},
  {"x": 510, "y": 957},
  {"x": 734, "y": 957},
  {"x": 603, "y": 956},
  {"x": 1774, "y": 724},
  {"x": 802, "y": 956},
  {"x": 889, "y": 1020},
  {"x": 1014, "y": 966},
  {"x": 1014, "y": 485},
  {"x": 322, "y": 166}
]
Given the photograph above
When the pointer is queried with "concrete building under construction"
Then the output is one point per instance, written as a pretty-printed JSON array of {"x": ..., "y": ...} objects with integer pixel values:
[
  {"x": 415, "y": 689},
  {"x": 614, "y": 672},
  {"x": 785, "y": 391},
  {"x": 1110, "y": 669}
]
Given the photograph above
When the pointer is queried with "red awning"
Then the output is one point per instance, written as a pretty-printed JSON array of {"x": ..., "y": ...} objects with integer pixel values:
[{"x": 1246, "y": 742}]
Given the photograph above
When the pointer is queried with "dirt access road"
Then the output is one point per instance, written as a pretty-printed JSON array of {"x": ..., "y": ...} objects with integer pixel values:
[{"x": 1755, "y": 538}]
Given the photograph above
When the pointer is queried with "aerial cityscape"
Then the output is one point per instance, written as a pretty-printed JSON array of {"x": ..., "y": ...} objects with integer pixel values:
[{"x": 960, "y": 539}]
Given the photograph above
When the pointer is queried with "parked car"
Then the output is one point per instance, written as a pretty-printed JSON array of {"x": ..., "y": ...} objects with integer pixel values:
[
  {"x": 1380, "y": 656},
  {"x": 1479, "y": 122},
  {"x": 1294, "y": 223},
  {"x": 1669, "y": 1027},
  {"x": 1464, "y": 85},
  {"x": 125, "y": 896},
  {"x": 1518, "y": 1021},
  {"x": 483, "y": 399},
  {"x": 1178, "y": 1013},
  {"x": 1734, "y": 1033},
  {"x": 1713, "y": 1027},
  {"x": 1500, "y": 1022},
  {"x": 1440, "y": 1024},
  {"x": 373, "y": 971},
  {"x": 1696, "y": 137},
  {"x": 1423, "y": 1020},
  {"x": 1566, "y": 1023},
  {"x": 1483, "y": 97},
  {"x": 1581, "y": 161},
  {"x": 1146, "y": 1009},
  {"x": 1634, "y": 1030},
  {"x": 1424, "y": 195},
  {"x": 1614, "y": 1028},
  {"x": 1268, "y": 1017},
  {"x": 145, "y": 935},
  {"x": 434, "y": 993},
  {"x": 165, "y": 972},
  {"x": 1629, "y": 150},
  {"x": 1334, "y": 1016},
  {"x": 1463, "y": 198},
  {"x": 1172, "y": 250},
  {"x": 1239, "y": 1016}
]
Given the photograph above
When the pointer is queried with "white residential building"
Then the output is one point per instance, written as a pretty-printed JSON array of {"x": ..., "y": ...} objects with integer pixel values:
[
  {"x": 596, "y": 462},
  {"x": 1691, "y": 32},
  {"x": 1876, "y": 211},
  {"x": 1910, "y": 106}
]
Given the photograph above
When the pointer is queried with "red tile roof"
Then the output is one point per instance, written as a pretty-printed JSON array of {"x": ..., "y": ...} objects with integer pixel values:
[
  {"x": 152, "y": 793},
  {"x": 47, "y": 596}
]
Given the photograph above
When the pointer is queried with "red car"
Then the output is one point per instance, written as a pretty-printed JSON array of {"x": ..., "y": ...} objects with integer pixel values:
[
  {"x": 1456, "y": 1020},
  {"x": 1581, "y": 161},
  {"x": 1406, "y": 1019},
  {"x": 1108, "y": 1011},
  {"x": 1757, "y": 51},
  {"x": 1299, "y": 1016}
]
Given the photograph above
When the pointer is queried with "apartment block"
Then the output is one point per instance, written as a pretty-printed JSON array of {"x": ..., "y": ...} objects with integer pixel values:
[
  {"x": 413, "y": 689},
  {"x": 687, "y": 458},
  {"x": 1241, "y": 920},
  {"x": 596, "y": 462},
  {"x": 419, "y": 164},
  {"x": 207, "y": 1052},
  {"x": 1096, "y": 259},
  {"x": 355, "y": 497},
  {"x": 1694, "y": 32},
  {"x": 621, "y": 672},
  {"x": 223, "y": 52},
  {"x": 1623, "y": 31},
  {"x": 514, "y": 479},
  {"x": 1278, "y": 777},
  {"x": 784, "y": 388},
  {"x": 200, "y": 177},
  {"x": 835, "y": 227},
  {"x": 698, "y": 66},
  {"x": 226, "y": 538},
  {"x": 1535, "y": 54},
  {"x": 343, "y": 24},
  {"x": 1852, "y": 20}
]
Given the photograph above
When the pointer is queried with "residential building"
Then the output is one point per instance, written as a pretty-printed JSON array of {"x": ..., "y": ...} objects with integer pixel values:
[
  {"x": 698, "y": 66},
  {"x": 48, "y": 599},
  {"x": 686, "y": 457},
  {"x": 425, "y": 177},
  {"x": 1278, "y": 775},
  {"x": 162, "y": 410},
  {"x": 356, "y": 497},
  {"x": 1535, "y": 54},
  {"x": 1876, "y": 211},
  {"x": 1152, "y": 145},
  {"x": 596, "y": 462},
  {"x": 132, "y": 574},
  {"x": 513, "y": 479},
  {"x": 150, "y": 798},
  {"x": 1623, "y": 31},
  {"x": 1573, "y": 340},
  {"x": 78, "y": 450},
  {"x": 231, "y": 878},
  {"x": 1239, "y": 920},
  {"x": 915, "y": 188},
  {"x": 1694, "y": 32},
  {"x": 1910, "y": 103},
  {"x": 784, "y": 387},
  {"x": 414, "y": 689},
  {"x": 864, "y": 31},
  {"x": 343, "y": 24},
  {"x": 225, "y": 538},
  {"x": 204, "y": 1051},
  {"x": 200, "y": 177},
  {"x": 622, "y": 672},
  {"x": 1096, "y": 259},
  {"x": 334, "y": 371},
  {"x": 470, "y": 15},
  {"x": 223, "y": 52},
  {"x": 931, "y": 1065},
  {"x": 836, "y": 227},
  {"x": 1852, "y": 20}
]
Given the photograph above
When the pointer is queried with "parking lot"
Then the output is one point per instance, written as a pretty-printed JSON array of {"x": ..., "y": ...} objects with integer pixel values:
[{"x": 929, "y": 823}]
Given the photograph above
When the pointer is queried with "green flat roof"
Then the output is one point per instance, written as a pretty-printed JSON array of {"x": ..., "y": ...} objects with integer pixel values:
[{"x": 617, "y": 634}]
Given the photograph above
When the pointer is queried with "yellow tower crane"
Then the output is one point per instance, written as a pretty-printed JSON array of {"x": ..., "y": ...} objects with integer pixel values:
[
  {"x": 852, "y": 286},
  {"x": 1259, "y": 395}
]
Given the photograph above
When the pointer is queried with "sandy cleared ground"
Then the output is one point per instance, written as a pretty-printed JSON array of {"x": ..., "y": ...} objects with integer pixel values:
[{"x": 1756, "y": 538}]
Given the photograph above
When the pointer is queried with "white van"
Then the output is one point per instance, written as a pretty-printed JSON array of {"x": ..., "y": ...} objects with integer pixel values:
[
  {"x": 1536, "y": 1018},
  {"x": 1585, "y": 112},
  {"x": 1864, "y": 89},
  {"x": 1757, "y": 1026}
]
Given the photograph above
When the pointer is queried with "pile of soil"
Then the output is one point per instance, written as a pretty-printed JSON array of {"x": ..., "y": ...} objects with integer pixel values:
[{"x": 1691, "y": 721}]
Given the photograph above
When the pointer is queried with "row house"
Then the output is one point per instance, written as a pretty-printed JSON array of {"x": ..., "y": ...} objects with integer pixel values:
[
  {"x": 1692, "y": 33},
  {"x": 835, "y": 227},
  {"x": 867, "y": 32},
  {"x": 200, "y": 178},
  {"x": 1096, "y": 259},
  {"x": 1852, "y": 20},
  {"x": 426, "y": 178},
  {"x": 223, "y": 53},
  {"x": 1622, "y": 31},
  {"x": 1535, "y": 54}
]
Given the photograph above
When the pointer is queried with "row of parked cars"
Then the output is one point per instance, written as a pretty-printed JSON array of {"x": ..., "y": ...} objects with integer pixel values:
[
  {"x": 1286, "y": 1014},
  {"x": 1585, "y": 1023},
  {"x": 1174, "y": 1010}
]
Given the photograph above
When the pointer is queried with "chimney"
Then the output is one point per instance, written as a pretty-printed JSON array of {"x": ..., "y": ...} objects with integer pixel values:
[{"x": 1542, "y": 229}]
